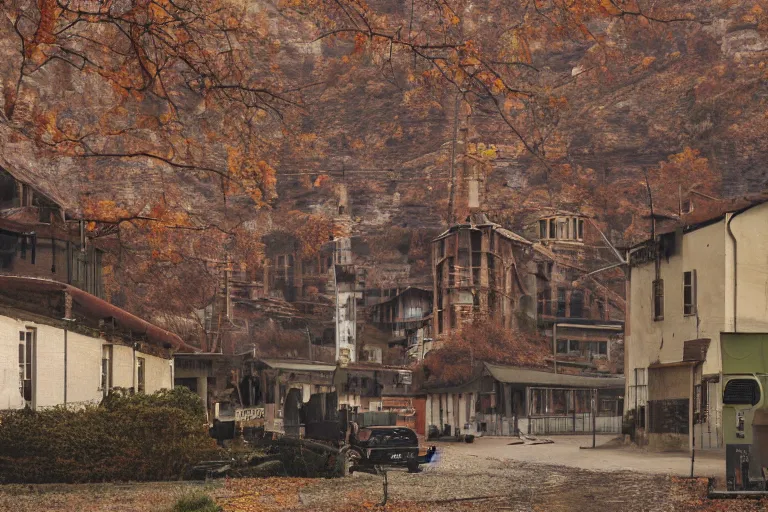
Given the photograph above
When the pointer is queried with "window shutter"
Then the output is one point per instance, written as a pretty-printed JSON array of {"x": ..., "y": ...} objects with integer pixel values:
[{"x": 694, "y": 292}]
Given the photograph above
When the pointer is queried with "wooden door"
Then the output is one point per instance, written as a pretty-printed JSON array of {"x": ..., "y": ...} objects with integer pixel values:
[{"x": 420, "y": 405}]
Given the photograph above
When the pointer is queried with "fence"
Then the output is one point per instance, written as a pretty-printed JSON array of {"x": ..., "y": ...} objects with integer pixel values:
[{"x": 579, "y": 423}]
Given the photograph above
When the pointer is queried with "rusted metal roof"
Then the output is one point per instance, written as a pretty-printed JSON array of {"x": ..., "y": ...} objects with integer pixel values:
[
  {"x": 408, "y": 290},
  {"x": 696, "y": 350},
  {"x": 513, "y": 375},
  {"x": 496, "y": 227},
  {"x": 297, "y": 365},
  {"x": 673, "y": 364},
  {"x": 95, "y": 307}
]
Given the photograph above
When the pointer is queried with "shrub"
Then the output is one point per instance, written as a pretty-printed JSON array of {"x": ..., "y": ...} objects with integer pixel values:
[
  {"x": 196, "y": 502},
  {"x": 139, "y": 437}
]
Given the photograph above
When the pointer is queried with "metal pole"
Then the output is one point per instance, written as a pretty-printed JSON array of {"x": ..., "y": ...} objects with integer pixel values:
[
  {"x": 554, "y": 345},
  {"x": 692, "y": 408},
  {"x": 594, "y": 422}
]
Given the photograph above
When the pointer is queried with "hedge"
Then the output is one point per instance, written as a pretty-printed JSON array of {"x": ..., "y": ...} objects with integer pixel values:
[{"x": 125, "y": 438}]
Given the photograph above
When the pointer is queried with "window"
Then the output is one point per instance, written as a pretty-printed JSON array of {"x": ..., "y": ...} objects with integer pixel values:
[
  {"x": 581, "y": 229},
  {"x": 26, "y": 341},
  {"x": 687, "y": 206},
  {"x": 689, "y": 292},
  {"x": 561, "y": 302},
  {"x": 602, "y": 348},
  {"x": 658, "y": 299},
  {"x": 575, "y": 230},
  {"x": 562, "y": 346},
  {"x": 140, "y": 379},
  {"x": 552, "y": 230},
  {"x": 542, "y": 229},
  {"x": 573, "y": 345},
  {"x": 106, "y": 377},
  {"x": 577, "y": 303},
  {"x": 608, "y": 405}
]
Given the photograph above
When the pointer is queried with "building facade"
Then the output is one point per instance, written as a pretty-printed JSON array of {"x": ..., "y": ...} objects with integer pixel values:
[
  {"x": 62, "y": 346},
  {"x": 582, "y": 311},
  {"x": 38, "y": 238},
  {"x": 406, "y": 317},
  {"x": 687, "y": 285},
  {"x": 479, "y": 270}
]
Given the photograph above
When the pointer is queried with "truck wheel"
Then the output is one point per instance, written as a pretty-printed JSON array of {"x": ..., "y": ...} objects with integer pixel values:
[{"x": 413, "y": 467}]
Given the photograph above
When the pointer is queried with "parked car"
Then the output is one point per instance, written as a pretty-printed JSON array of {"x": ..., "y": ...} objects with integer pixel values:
[{"x": 386, "y": 446}]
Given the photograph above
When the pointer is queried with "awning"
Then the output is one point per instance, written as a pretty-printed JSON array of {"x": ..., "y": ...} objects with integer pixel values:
[
  {"x": 306, "y": 366},
  {"x": 512, "y": 375}
]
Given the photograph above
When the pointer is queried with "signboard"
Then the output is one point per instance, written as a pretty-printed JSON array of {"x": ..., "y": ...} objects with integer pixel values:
[
  {"x": 249, "y": 413},
  {"x": 396, "y": 403}
]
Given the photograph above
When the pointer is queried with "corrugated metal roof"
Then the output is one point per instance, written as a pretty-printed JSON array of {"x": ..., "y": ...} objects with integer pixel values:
[
  {"x": 509, "y": 374},
  {"x": 97, "y": 308},
  {"x": 298, "y": 365}
]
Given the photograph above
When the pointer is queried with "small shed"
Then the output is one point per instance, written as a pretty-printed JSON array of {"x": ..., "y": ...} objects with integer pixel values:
[{"x": 507, "y": 400}]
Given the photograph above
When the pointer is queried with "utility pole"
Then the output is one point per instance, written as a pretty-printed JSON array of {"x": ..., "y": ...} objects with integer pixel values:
[{"x": 452, "y": 182}]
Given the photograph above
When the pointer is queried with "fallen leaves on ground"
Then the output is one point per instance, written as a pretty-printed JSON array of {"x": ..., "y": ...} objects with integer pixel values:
[
  {"x": 129, "y": 497},
  {"x": 262, "y": 494},
  {"x": 692, "y": 494},
  {"x": 281, "y": 494}
]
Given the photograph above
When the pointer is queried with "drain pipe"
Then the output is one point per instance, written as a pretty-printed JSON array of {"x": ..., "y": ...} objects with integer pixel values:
[{"x": 735, "y": 266}]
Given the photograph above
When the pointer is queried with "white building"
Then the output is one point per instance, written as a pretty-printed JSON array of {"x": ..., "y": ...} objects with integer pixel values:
[
  {"x": 686, "y": 287},
  {"x": 60, "y": 345}
]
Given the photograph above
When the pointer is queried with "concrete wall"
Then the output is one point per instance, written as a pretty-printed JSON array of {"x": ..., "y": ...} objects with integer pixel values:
[
  {"x": 669, "y": 383},
  {"x": 82, "y": 373},
  {"x": 649, "y": 341},
  {"x": 751, "y": 270},
  {"x": 158, "y": 373},
  {"x": 652, "y": 341},
  {"x": 731, "y": 278},
  {"x": 9, "y": 364},
  {"x": 123, "y": 368},
  {"x": 709, "y": 251}
]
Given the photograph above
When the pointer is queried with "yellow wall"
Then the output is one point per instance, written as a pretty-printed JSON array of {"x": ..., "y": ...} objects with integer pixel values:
[
  {"x": 749, "y": 228},
  {"x": 710, "y": 251},
  {"x": 83, "y": 366},
  {"x": 652, "y": 341}
]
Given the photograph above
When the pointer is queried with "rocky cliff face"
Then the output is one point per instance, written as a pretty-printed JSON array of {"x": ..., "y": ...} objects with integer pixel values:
[
  {"x": 611, "y": 102},
  {"x": 644, "y": 91}
]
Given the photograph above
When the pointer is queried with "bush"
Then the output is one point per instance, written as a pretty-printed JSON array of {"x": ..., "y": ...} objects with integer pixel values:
[
  {"x": 196, "y": 503},
  {"x": 139, "y": 437}
]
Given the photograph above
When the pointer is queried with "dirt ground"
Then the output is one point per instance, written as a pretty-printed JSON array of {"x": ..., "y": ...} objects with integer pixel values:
[{"x": 489, "y": 474}]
